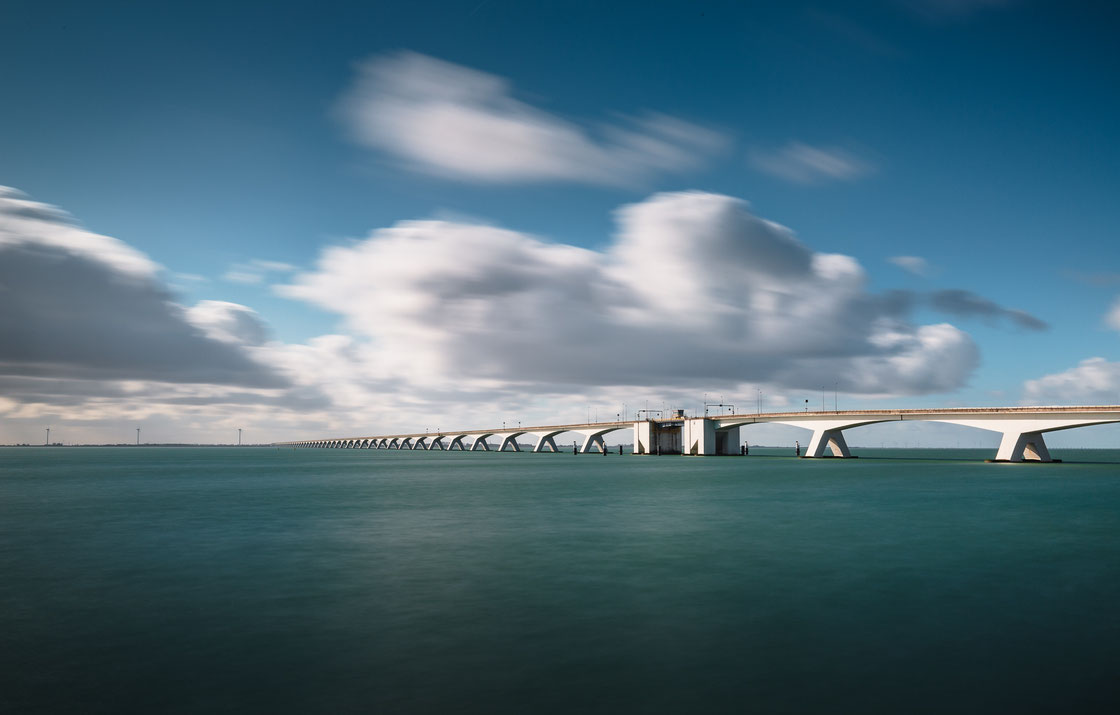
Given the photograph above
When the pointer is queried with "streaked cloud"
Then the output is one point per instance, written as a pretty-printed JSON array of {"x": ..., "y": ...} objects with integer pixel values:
[
  {"x": 911, "y": 264},
  {"x": 1112, "y": 317},
  {"x": 966, "y": 304},
  {"x": 228, "y": 322},
  {"x": 255, "y": 271},
  {"x": 453, "y": 121},
  {"x": 30, "y": 224},
  {"x": 190, "y": 278},
  {"x": 801, "y": 163},
  {"x": 81, "y": 306},
  {"x": 1094, "y": 381}
]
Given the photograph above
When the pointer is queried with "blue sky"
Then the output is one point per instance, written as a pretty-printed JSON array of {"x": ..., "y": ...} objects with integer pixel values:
[{"x": 237, "y": 143}]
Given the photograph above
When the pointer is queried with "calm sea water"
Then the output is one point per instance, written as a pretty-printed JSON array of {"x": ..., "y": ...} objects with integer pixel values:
[{"x": 280, "y": 580}]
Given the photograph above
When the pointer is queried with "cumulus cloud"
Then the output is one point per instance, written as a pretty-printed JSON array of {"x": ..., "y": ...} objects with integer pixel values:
[
  {"x": 694, "y": 288},
  {"x": 77, "y": 305},
  {"x": 453, "y": 121},
  {"x": 911, "y": 264},
  {"x": 468, "y": 322},
  {"x": 801, "y": 163},
  {"x": 965, "y": 304},
  {"x": 1093, "y": 381}
]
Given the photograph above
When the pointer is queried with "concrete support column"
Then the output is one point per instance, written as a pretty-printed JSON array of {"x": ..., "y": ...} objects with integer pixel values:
[
  {"x": 727, "y": 441},
  {"x": 510, "y": 440},
  {"x": 593, "y": 440},
  {"x": 832, "y": 439},
  {"x": 699, "y": 436},
  {"x": 546, "y": 441},
  {"x": 457, "y": 442},
  {"x": 1023, "y": 447},
  {"x": 643, "y": 437},
  {"x": 480, "y": 443}
]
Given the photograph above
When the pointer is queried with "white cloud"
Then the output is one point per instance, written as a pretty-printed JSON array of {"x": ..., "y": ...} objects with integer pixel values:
[
  {"x": 911, "y": 264},
  {"x": 446, "y": 119},
  {"x": 228, "y": 322},
  {"x": 694, "y": 289},
  {"x": 453, "y": 325},
  {"x": 24, "y": 222},
  {"x": 801, "y": 163},
  {"x": 1093, "y": 381},
  {"x": 80, "y": 306},
  {"x": 1112, "y": 318}
]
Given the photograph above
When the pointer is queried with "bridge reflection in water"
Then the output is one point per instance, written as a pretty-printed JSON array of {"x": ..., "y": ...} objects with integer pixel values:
[{"x": 1022, "y": 429}]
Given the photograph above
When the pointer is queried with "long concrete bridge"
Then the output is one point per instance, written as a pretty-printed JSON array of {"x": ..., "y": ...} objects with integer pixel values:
[{"x": 1022, "y": 429}]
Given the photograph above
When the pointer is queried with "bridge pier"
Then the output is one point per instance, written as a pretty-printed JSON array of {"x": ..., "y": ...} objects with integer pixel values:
[
  {"x": 593, "y": 440},
  {"x": 1023, "y": 447},
  {"x": 832, "y": 439},
  {"x": 546, "y": 440},
  {"x": 702, "y": 436}
]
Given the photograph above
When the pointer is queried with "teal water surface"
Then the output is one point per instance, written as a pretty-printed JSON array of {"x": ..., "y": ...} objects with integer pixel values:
[{"x": 281, "y": 580}]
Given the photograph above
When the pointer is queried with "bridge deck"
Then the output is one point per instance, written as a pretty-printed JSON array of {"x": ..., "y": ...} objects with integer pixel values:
[{"x": 902, "y": 414}]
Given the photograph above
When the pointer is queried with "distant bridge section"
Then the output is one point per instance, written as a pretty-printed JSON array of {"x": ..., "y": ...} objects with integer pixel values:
[{"x": 1022, "y": 430}]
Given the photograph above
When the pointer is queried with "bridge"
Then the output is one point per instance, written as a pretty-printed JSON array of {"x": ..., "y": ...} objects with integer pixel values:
[{"x": 1022, "y": 430}]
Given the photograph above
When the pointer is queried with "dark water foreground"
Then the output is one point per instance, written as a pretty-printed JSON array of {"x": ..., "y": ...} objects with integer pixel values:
[{"x": 266, "y": 580}]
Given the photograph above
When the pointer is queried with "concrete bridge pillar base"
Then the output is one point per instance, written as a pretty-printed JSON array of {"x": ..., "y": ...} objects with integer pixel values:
[
  {"x": 593, "y": 440},
  {"x": 546, "y": 441},
  {"x": 832, "y": 439},
  {"x": 1023, "y": 447}
]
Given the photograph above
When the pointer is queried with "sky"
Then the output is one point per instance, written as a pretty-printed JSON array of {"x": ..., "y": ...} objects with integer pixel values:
[{"x": 315, "y": 220}]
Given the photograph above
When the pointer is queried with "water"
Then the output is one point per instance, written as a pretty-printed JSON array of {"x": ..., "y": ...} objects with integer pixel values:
[{"x": 280, "y": 580}]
